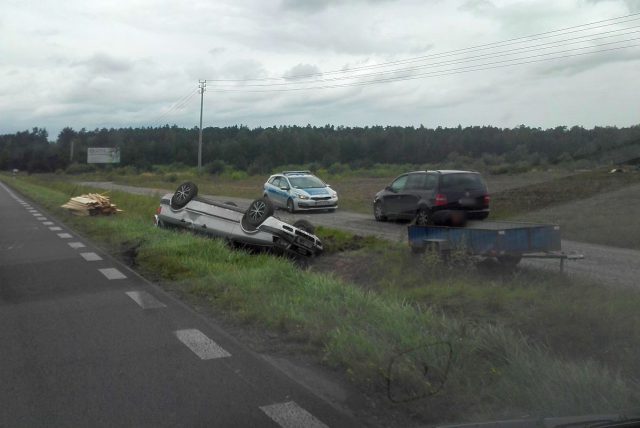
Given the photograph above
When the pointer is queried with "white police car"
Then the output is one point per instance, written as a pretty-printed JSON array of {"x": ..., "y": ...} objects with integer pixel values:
[{"x": 300, "y": 191}]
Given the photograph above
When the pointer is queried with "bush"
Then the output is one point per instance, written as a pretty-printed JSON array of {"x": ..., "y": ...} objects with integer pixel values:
[
  {"x": 216, "y": 167},
  {"x": 80, "y": 168}
]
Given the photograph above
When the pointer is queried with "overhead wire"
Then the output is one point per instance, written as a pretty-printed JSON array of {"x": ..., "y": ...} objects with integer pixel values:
[
  {"x": 482, "y": 57},
  {"x": 486, "y": 46},
  {"x": 177, "y": 105},
  {"x": 433, "y": 74}
]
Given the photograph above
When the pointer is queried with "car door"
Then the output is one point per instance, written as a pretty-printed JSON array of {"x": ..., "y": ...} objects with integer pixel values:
[
  {"x": 407, "y": 199},
  {"x": 272, "y": 190},
  {"x": 391, "y": 197}
]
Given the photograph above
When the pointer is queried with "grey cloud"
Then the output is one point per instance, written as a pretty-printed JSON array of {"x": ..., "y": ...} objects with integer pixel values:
[
  {"x": 101, "y": 63},
  {"x": 579, "y": 65},
  {"x": 301, "y": 71},
  {"x": 318, "y": 5},
  {"x": 242, "y": 69},
  {"x": 632, "y": 5},
  {"x": 216, "y": 51},
  {"x": 480, "y": 6}
]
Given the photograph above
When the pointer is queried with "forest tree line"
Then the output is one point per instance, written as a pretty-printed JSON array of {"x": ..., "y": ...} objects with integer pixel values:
[{"x": 259, "y": 150}]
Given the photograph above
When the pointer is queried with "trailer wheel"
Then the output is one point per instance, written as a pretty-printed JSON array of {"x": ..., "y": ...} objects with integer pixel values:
[
  {"x": 423, "y": 217},
  {"x": 509, "y": 261},
  {"x": 183, "y": 194}
]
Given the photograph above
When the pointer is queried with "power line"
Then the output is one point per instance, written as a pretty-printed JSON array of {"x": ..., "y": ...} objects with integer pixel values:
[
  {"x": 510, "y": 52},
  {"x": 486, "y": 46},
  {"x": 178, "y": 104},
  {"x": 432, "y": 74}
]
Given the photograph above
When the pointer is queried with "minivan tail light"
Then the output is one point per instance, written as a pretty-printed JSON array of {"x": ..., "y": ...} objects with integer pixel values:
[
  {"x": 441, "y": 200},
  {"x": 486, "y": 200}
]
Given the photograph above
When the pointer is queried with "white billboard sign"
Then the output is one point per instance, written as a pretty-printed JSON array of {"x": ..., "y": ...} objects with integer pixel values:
[{"x": 103, "y": 155}]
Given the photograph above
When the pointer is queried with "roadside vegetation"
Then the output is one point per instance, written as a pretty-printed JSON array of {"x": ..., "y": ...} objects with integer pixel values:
[{"x": 496, "y": 344}]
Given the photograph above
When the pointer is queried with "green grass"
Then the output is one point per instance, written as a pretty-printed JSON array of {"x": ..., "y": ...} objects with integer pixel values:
[{"x": 499, "y": 368}]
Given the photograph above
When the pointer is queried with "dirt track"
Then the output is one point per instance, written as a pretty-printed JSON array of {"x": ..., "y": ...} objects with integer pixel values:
[{"x": 609, "y": 265}]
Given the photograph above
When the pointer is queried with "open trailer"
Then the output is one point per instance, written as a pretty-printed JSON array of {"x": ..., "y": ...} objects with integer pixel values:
[{"x": 507, "y": 242}]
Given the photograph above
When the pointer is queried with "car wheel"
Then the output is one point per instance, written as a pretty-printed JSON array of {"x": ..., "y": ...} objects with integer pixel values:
[
  {"x": 290, "y": 206},
  {"x": 378, "y": 211},
  {"x": 258, "y": 212},
  {"x": 183, "y": 194},
  {"x": 305, "y": 225},
  {"x": 423, "y": 217}
]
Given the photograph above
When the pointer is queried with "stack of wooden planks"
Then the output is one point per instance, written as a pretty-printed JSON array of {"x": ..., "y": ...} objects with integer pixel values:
[{"x": 91, "y": 204}]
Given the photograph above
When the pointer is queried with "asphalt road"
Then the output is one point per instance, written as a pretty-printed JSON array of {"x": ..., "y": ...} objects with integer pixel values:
[
  {"x": 608, "y": 265},
  {"x": 84, "y": 341}
]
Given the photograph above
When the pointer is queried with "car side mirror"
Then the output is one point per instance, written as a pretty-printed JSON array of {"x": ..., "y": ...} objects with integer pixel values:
[
  {"x": 390, "y": 189},
  {"x": 284, "y": 188}
]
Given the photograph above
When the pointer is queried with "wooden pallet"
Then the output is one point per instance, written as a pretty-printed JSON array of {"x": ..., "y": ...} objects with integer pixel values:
[{"x": 91, "y": 204}]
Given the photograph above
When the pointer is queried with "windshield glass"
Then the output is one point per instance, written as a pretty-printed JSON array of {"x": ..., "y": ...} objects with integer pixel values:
[{"x": 309, "y": 182}]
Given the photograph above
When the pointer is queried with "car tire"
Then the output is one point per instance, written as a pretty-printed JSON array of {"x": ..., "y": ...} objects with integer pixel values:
[
  {"x": 290, "y": 206},
  {"x": 258, "y": 212},
  {"x": 423, "y": 217},
  {"x": 305, "y": 226},
  {"x": 183, "y": 194},
  {"x": 378, "y": 211}
]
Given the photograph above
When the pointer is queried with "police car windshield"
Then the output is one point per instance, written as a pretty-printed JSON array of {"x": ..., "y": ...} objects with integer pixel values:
[{"x": 308, "y": 182}]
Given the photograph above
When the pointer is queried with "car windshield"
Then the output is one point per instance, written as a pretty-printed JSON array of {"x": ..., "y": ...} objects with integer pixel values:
[{"x": 307, "y": 182}]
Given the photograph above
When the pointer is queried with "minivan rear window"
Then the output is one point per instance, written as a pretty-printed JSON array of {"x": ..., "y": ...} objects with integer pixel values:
[{"x": 462, "y": 182}]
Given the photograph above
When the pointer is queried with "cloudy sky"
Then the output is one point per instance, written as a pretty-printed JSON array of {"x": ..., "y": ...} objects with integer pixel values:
[{"x": 114, "y": 63}]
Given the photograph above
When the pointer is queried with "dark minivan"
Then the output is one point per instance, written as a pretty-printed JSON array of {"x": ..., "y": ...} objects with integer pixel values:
[{"x": 434, "y": 197}]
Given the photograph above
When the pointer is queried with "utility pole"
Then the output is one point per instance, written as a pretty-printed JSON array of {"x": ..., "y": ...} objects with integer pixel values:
[{"x": 202, "y": 85}]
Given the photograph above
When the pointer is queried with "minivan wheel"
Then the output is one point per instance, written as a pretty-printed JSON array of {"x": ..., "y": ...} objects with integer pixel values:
[
  {"x": 423, "y": 217},
  {"x": 378, "y": 212}
]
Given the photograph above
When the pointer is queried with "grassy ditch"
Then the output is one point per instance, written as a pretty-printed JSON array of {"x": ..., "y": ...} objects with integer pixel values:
[{"x": 412, "y": 346}]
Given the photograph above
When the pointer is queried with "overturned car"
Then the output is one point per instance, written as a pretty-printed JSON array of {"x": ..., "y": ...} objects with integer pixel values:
[{"x": 255, "y": 227}]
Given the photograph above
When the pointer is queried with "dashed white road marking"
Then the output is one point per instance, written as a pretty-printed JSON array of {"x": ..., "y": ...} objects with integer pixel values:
[
  {"x": 41, "y": 218},
  {"x": 76, "y": 245},
  {"x": 64, "y": 235},
  {"x": 201, "y": 345},
  {"x": 47, "y": 223},
  {"x": 112, "y": 273},
  {"x": 91, "y": 257},
  {"x": 36, "y": 214},
  {"x": 290, "y": 415},
  {"x": 145, "y": 300},
  {"x": 54, "y": 228}
]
